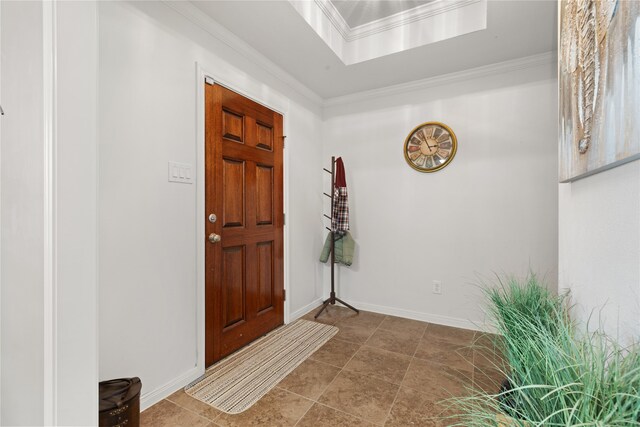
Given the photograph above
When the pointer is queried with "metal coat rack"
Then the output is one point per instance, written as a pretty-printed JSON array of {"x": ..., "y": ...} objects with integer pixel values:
[{"x": 332, "y": 296}]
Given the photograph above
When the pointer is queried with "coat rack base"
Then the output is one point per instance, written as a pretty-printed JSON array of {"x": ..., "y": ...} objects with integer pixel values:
[{"x": 332, "y": 300}]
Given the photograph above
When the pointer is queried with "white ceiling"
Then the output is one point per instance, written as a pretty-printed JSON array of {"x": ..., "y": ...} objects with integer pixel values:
[
  {"x": 515, "y": 29},
  {"x": 359, "y": 12}
]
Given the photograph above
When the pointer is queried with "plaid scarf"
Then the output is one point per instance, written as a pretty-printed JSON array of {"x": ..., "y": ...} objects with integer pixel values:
[{"x": 340, "y": 214}]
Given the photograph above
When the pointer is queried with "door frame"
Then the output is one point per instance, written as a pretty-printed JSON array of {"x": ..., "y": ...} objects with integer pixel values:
[{"x": 264, "y": 95}]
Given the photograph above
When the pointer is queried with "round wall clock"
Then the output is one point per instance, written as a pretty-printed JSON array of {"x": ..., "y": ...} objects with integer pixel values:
[{"x": 430, "y": 147}]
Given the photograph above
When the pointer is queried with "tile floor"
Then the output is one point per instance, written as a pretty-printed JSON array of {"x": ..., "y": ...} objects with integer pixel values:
[{"x": 377, "y": 371}]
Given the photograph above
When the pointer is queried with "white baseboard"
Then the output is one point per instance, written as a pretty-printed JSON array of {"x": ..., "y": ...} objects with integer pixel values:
[
  {"x": 304, "y": 310},
  {"x": 409, "y": 314},
  {"x": 425, "y": 317},
  {"x": 155, "y": 396}
]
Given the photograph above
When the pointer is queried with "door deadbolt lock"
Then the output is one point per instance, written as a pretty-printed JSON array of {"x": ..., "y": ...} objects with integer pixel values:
[
  {"x": 212, "y": 218},
  {"x": 214, "y": 238}
]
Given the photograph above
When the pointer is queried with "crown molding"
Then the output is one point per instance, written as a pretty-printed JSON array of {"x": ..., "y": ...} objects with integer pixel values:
[
  {"x": 203, "y": 21},
  {"x": 546, "y": 58},
  {"x": 420, "y": 26},
  {"x": 399, "y": 19},
  {"x": 335, "y": 18}
]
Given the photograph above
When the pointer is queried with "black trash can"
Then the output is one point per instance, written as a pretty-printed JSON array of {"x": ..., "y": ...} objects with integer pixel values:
[{"x": 120, "y": 402}]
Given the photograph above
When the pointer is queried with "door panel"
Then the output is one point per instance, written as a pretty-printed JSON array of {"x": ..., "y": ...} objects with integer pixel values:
[
  {"x": 233, "y": 285},
  {"x": 264, "y": 195},
  {"x": 232, "y": 126},
  {"x": 243, "y": 186},
  {"x": 265, "y": 137},
  {"x": 265, "y": 276},
  {"x": 233, "y": 185}
]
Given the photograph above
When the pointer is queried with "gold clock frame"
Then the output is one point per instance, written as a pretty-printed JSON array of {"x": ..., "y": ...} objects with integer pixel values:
[{"x": 454, "y": 147}]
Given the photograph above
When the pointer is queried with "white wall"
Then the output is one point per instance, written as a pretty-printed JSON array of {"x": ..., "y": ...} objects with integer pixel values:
[
  {"x": 600, "y": 249},
  {"x": 22, "y": 207},
  {"x": 48, "y": 222},
  {"x": 493, "y": 209},
  {"x": 76, "y": 220},
  {"x": 147, "y": 226}
]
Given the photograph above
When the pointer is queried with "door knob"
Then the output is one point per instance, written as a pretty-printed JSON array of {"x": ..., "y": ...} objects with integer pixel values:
[{"x": 214, "y": 238}]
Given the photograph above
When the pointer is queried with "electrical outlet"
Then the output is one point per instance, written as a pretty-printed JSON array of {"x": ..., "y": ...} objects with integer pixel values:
[{"x": 437, "y": 287}]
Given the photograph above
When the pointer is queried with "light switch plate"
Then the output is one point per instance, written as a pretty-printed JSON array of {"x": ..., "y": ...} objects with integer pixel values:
[{"x": 180, "y": 172}]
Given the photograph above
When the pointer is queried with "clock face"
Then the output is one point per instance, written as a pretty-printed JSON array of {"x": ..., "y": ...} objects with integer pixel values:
[{"x": 430, "y": 147}]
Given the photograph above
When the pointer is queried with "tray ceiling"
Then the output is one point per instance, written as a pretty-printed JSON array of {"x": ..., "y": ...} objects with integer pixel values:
[
  {"x": 278, "y": 31},
  {"x": 421, "y": 25}
]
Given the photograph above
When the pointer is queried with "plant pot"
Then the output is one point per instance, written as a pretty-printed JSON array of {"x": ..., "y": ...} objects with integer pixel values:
[{"x": 508, "y": 405}]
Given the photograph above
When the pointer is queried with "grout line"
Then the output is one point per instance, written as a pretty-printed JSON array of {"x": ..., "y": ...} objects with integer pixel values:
[
  {"x": 343, "y": 340},
  {"x": 338, "y": 374},
  {"x": 209, "y": 420},
  {"x": 314, "y": 401},
  {"x": 413, "y": 357},
  {"x": 342, "y": 369},
  {"x": 374, "y": 375},
  {"x": 305, "y": 413},
  {"x": 320, "y": 361},
  {"x": 333, "y": 380},
  {"x": 370, "y": 336},
  {"x": 375, "y": 330},
  {"x": 299, "y": 395},
  {"x": 323, "y": 390},
  {"x": 388, "y": 351},
  {"x": 327, "y": 386},
  {"x": 405, "y": 374},
  {"x": 425, "y": 330},
  {"x": 347, "y": 413},
  {"x": 327, "y": 363}
]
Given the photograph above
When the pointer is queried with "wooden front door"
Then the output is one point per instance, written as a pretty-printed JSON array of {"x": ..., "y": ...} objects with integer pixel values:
[{"x": 244, "y": 241}]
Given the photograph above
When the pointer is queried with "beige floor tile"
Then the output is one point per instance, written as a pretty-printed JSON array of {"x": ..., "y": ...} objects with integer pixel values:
[
  {"x": 277, "y": 408},
  {"x": 486, "y": 339},
  {"x": 354, "y": 334},
  {"x": 488, "y": 379},
  {"x": 398, "y": 342},
  {"x": 378, "y": 363},
  {"x": 447, "y": 333},
  {"x": 412, "y": 408},
  {"x": 335, "y": 352},
  {"x": 168, "y": 414},
  {"x": 309, "y": 379},
  {"x": 365, "y": 319},
  {"x": 489, "y": 357},
  {"x": 446, "y": 353},
  {"x": 436, "y": 381},
  {"x": 323, "y": 318},
  {"x": 182, "y": 399},
  {"x": 400, "y": 324},
  {"x": 360, "y": 395},
  {"x": 322, "y": 416}
]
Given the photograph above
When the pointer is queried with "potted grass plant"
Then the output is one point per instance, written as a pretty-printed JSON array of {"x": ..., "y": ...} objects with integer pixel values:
[{"x": 555, "y": 374}]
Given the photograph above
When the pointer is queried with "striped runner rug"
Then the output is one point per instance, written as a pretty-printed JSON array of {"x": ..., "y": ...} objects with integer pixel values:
[{"x": 235, "y": 383}]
